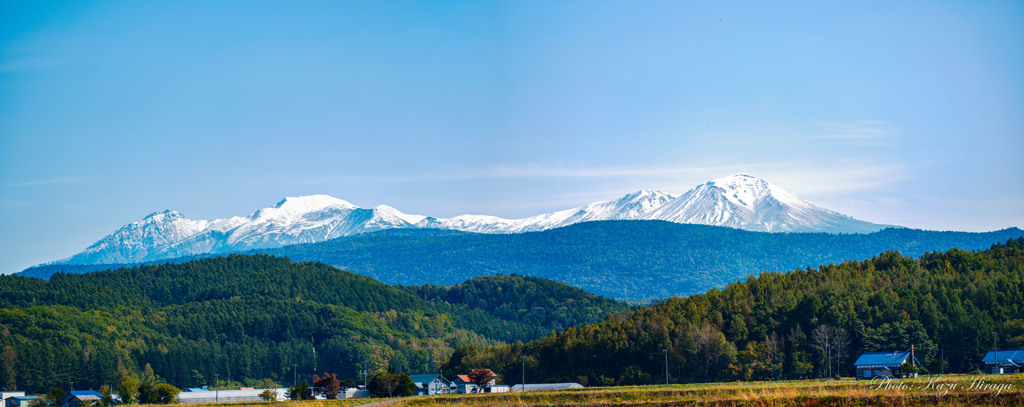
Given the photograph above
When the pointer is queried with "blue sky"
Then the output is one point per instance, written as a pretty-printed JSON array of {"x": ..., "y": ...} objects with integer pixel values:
[{"x": 894, "y": 112}]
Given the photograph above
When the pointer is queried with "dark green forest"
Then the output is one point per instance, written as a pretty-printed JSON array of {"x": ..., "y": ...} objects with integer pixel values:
[
  {"x": 253, "y": 317},
  {"x": 776, "y": 325},
  {"x": 531, "y": 301},
  {"x": 627, "y": 260}
]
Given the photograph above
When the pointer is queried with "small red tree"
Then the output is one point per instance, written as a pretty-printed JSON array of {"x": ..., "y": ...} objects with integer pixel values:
[
  {"x": 481, "y": 377},
  {"x": 328, "y": 386}
]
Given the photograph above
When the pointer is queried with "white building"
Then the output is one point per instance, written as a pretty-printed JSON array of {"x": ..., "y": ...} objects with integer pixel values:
[
  {"x": 4, "y": 395},
  {"x": 353, "y": 393},
  {"x": 228, "y": 396},
  {"x": 546, "y": 386}
]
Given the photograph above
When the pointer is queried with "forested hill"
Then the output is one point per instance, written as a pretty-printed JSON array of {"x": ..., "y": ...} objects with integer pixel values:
[
  {"x": 776, "y": 325},
  {"x": 626, "y": 260},
  {"x": 531, "y": 301},
  {"x": 252, "y": 317}
]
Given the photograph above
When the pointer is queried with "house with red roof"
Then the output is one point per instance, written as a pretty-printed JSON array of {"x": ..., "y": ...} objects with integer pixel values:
[{"x": 465, "y": 386}]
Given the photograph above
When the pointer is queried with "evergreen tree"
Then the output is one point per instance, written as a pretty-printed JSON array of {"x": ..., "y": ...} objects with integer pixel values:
[
  {"x": 128, "y": 389},
  {"x": 147, "y": 388},
  {"x": 387, "y": 383},
  {"x": 268, "y": 395},
  {"x": 301, "y": 391}
]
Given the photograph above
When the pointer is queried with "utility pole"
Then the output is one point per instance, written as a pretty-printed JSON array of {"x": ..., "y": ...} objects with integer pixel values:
[
  {"x": 295, "y": 375},
  {"x": 216, "y": 387},
  {"x": 365, "y": 374},
  {"x": 71, "y": 384},
  {"x": 828, "y": 361},
  {"x": 995, "y": 354},
  {"x": 524, "y": 371},
  {"x": 314, "y": 353},
  {"x": 666, "y": 366}
]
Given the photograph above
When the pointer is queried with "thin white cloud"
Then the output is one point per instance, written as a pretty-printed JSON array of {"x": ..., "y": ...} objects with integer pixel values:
[{"x": 836, "y": 177}]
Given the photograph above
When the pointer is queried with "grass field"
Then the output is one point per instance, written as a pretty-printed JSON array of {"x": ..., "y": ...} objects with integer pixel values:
[{"x": 948, "y": 390}]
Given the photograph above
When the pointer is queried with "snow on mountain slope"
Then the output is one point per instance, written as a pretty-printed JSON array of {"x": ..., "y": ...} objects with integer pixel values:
[
  {"x": 386, "y": 217},
  {"x": 632, "y": 206},
  {"x": 745, "y": 202},
  {"x": 469, "y": 223},
  {"x": 739, "y": 201},
  {"x": 138, "y": 240},
  {"x": 294, "y": 220}
]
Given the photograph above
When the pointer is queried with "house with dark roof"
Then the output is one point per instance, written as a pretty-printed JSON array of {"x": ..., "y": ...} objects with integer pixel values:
[
  {"x": 19, "y": 401},
  {"x": 6, "y": 394},
  {"x": 75, "y": 397},
  {"x": 1004, "y": 361},
  {"x": 9, "y": 394},
  {"x": 432, "y": 383},
  {"x": 883, "y": 364}
]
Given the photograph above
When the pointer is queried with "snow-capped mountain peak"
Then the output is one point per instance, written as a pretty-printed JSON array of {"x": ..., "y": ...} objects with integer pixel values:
[
  {"x": 746, "y": 202},
  {"x": 309, "y": 203},
  {"x": 139, "y": 238},
  {"x": 386, "y": 217},
  {"x": 744, "y": 190},
  {"x": 298, "y": 205},
  {"x": 164, "y": 216},
  {"x": 638, "y": 204}
]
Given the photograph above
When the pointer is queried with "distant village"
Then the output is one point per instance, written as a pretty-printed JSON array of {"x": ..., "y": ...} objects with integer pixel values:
[
  {"x": 897, "y": 364},
  {"x": 421, "y": 385}
]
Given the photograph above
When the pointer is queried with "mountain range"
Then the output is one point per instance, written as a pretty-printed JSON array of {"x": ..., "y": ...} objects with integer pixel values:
[
  {"x": 633, "y": 260},
  {"x": 738, "y": 201}
]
